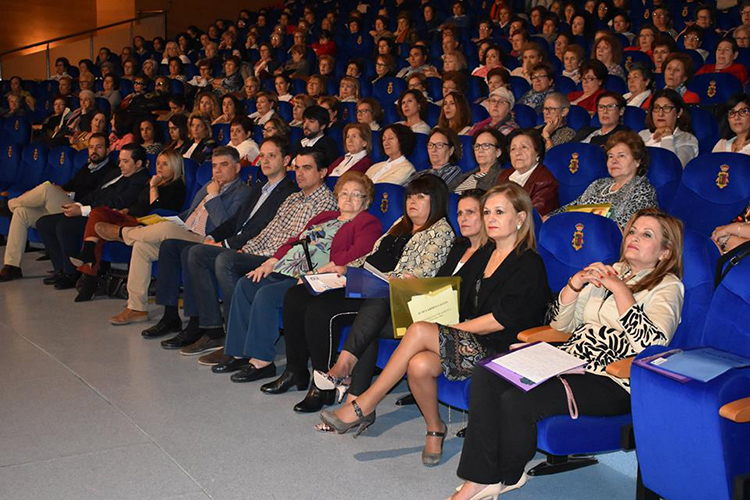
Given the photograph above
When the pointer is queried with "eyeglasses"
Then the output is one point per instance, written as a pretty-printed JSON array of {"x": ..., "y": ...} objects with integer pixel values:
[
  {"x": 269, "y": 130},
  {"x": 363, "y": 111},
  {"x": 354, "y": 195},
  {"x": 607, "y": 107},
  {"x": 693, "y": 38},
  {"x": 139, "y": 83},
  {"x": 437, "y": 145},
  {"x": 668, "y": 108},
  {"x": 495, "y": 101},
  {"x": 589, "y": 79},
  {"x": 484, "y": 146},
  {"x": 743, "y": 112},
  {"x": 538, "y": 77},
  {"x": 549, "y": 109}
]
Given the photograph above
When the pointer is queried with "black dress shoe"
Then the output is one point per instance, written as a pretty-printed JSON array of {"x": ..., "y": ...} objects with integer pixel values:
[
  {"x": 250, "y": 373},
  {"x": 182, "y": 339},
  {"x": 66, "y": 282},
  {"x": 406, "y": 400},
  {"x": 315, "y": 400},
  {"x": 230, "y": 366},
  {"x": 89, "y": 286},
  {"x": 162, "y": 328},
  {"x": 286, "y": 381},
  {"x": 51, "y": 280},
  {"x": 10, "y": 273}
]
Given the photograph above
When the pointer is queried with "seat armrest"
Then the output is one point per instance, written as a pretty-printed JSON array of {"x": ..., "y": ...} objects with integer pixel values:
[
  {"x": 737, "y": 411},
  {"x": 621, "y": 369},
  {"x": 543, "y": 334}
]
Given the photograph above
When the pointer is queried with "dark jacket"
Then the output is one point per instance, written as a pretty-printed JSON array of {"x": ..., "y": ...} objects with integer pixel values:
[
  {"x": 239, "y": 228},
  {"x": 221, "y": 207},
  {"x": 599, "y": 140},
  {"x": 202, "y": 150},
  {"x": 325, "y": 145},
  {"x": 85, "y": 181},
  {"x": 121, "y": 194},
  {"x": 485, "y": 182},
  {"x": 541, "y": 186},
  {"x": 171, "y": 197},
  {"x": 361, "y": 166}
]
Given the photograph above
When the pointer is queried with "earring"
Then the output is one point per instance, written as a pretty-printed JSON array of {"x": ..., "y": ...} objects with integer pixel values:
[{"x": 518, "y": 227}]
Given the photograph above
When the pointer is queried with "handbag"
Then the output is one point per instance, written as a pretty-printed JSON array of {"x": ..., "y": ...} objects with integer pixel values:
[{"x": 730, "y": 259}]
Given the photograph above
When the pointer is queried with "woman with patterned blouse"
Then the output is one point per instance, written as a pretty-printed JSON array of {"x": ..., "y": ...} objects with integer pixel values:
[
  {"x": 612, "y": 312},
  {"x": 627, "y": 189}
]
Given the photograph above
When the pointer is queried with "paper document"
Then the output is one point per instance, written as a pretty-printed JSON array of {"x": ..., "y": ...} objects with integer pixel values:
[
  {"x": 374, "y": 270},
  {"x": 703, "y": 364},
  {"x": 320, "y": 283},
  {"x": 603, "y": 209},
  {"x": 155, "y": 219},
  {"x": 440, "y": 306},
  {"x": 527, "y": 367}
]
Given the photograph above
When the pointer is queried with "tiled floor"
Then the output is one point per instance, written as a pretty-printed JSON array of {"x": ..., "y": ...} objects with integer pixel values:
[{"x": 92, "y": 411}]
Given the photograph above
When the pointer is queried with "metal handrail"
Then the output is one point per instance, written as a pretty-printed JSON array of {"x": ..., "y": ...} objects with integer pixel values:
[{"x": 148, "y": 14}]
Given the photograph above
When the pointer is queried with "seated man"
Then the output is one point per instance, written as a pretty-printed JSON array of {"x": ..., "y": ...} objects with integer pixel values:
[
  {"x": 47, "y": 198},
  {"x": 216, "y": 202},
  {"x": 211, "y": 265},
  {"x": 254, "y": 215},
  {"x": 315, "y": 122},
  {"x": 62, "y": 233}
]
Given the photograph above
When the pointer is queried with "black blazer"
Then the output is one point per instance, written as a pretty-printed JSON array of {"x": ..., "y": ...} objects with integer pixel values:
[
  {"x": 516, "y": 294},
  {"x": 238, "y": 229},
  {"x": 85, "y": 181},
  {"x": 121, "y": 194},
  {"x": 202, "y": 150},
  {"x": 325, "y": 145},
  {"x": 599, "y": 140}
]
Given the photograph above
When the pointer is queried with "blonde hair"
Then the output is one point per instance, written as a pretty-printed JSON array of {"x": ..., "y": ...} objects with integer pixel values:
[
  {"x": 519, "y": 199},
  {"x": 174, "y": 160},
  {"x": 196, "y": 115}
]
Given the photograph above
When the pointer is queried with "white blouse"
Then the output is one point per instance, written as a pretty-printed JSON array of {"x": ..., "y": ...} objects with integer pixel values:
[
  {"x": 683, "y": 144},
  {"x": 725, "y": 146}
]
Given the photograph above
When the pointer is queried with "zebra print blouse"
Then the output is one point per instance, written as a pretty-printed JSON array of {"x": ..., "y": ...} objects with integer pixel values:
[{"x": 600, "y": 335}]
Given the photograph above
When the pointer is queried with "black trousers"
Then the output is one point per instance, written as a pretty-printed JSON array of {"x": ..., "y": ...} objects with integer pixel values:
[
  {"x": 501, "y": 436},
  {"x": 173, "y": 255},
  {"x": 312, "y": 330},
  {"x": 62, "y": 237}
]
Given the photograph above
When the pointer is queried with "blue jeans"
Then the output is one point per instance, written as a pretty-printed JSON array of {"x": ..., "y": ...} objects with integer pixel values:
[{"x": 254, "y": 317}]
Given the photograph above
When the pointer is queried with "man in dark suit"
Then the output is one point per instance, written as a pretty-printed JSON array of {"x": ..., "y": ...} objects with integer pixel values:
[
  {"x": 255, "y": 214},
  {"x": 315, "y": 122},
  {"x": 62, "y": 233}
]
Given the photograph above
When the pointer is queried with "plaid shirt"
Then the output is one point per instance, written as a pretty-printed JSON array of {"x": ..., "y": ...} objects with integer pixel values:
[{"x": 290, "y": 220}]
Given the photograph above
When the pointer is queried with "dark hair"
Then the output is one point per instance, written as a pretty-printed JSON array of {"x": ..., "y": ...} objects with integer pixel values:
[
  {"x": 123, "y": 123},
  {"x": 707, "y": 7},
  {"x": 546, "y": 67},
  {"x": 63, "y": 60},
  {"x": 613, "y": 43},
  {"x": 137, "y": 153},
  {"x": 453, "y": 141},
  {"x": 694, "y": 28},
  {"x": 377, "y": 109},
  {"x": 724, "y": 129},
  {"x": 316, "y": 155},
  {"x": 645, "y": 71},
  {"x": 317, "y": 113},
  {"x": 421, "y": 48},
  {"x": 683, "y": 120},
  {"x": 157, "y": 130},
  {"x": 437, "y": 189},
  {"x": 100, "y": 135},
  {"x": 243, "y": 121},
  {"x": 280, "y": 142},
  {"x": 664, "y": 39},
  {"x": 421, "y": 102},
  {"x": 177, "y": 99},
  {"x": 597, "y": 67},
  {"x": 686, "y": 60},
  {"x": 180, "y": 66},
  {"x": 180, "y": 121},
  {"x": 536, "y": 140},
  {"x": 500, "y": 139},
  {"x": 636, "y": 145},
  {"x": 405, "y": 135},
  {"x": 621, "y": 102},
  {"x": 731, "y": 41},
  {"x": 459, "y": 78},
  {"x": 239, "y": 108},
  {"x": 226, "y": 151},
  {"x": 463, "y": 113}
]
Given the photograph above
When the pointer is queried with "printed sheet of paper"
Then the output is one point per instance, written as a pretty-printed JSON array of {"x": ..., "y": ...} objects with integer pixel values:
[
  {"x": 538, "y": 362},
  {"x": 374, "y": 270},
  {"x": 323, "y": 282},
  {"x": 440, "y": 306},
  {"x": 155, "y": 219}
]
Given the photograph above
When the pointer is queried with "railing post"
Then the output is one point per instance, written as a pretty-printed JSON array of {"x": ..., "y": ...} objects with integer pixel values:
[
  {"x": 46, "y": 57},
  {"x": 91, "y": 45},
  {"x": 1, "y": 70},
  {"x": 132, "y": 31}
]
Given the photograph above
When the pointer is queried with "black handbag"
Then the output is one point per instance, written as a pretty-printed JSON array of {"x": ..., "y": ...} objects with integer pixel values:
[{"x": 729, "y": 260}]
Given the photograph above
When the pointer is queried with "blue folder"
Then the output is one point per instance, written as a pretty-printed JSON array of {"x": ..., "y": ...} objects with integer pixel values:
[{"x": 362, "y": 284}]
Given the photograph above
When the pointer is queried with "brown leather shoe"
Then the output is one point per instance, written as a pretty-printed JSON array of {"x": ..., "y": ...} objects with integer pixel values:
[
  {"x": 215, "y": 358},
  {"x": 204, "y": 345},
  {"x": 10, "y": 273},
  {"x": 109, "y": 232},
  {"x": 129, "y": 316}
]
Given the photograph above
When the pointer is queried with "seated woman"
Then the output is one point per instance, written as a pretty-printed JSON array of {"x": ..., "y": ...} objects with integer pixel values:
[
  {"x": 542, "y": 85},
  {"x": 241, "y": 139},
  {"x": 177, "y": 126},
  {"x": 500, "y": 103},
  {"x": 608, "y": 51},
  {"x": 177, "y": 70},
  {"x": 348, "y": 89},
  {"x": 490, "y": 153},
  {"x": 358, "y": 147},
  {"x": 531, "y": 54},
  {"x": 111, "y": 91},
  {"x": 231, "y": 80},
  {"x": 668, "y": 126},
  {"x": 51, "y": 126},
  {"x": 735, "y": 126},
  {"x": 265, "y": 67},
  {"x": 612, "y": 312},
  {"x": 417, "y": 245},
  {"x": 526, "y": 151},
  {"x": 121, "y": 131},
  {"x": 148, "y": 135},
  {"x": 555, "y": 129},
  {"x": 265, "y": 107},
  {"x": 370, "y": 112},
  {"x": 231, "y": 108},
  {"x": 444, "y": 150},
  {"x": 397, "y": 142},
  {"x": 336, "y": 238},
  {"x": 296, "y": 65},
  {"x": 593, "y": 74},
  {"x": 726, "y": 61},
  {"x": 80, "y": 141},
  {"x": 300, "y": 103},
  {"x": 610, "y": 109},
  {"x": 730, "y": 236},
  {"x": 627, "y": 189},
  {"x": 640, "y": 83},
  {"x": 505, "y": 292},
  {"x": 572, "y": 58},
  {"x": 492, "y": 59},
  {"x": 455, "y": 114},
  {"x": 677, "y": 69},
  {"x": 201, "y": 140},
  {"x": 165, "y": 190},
  {"x": 412, "y": 107}
]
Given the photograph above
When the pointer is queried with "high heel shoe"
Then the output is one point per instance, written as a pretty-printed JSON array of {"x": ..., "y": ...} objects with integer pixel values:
[
  {"x": 361, "y": 423},
  {"x": 492, "y": 491},
  {"x": 433, "y": 459},
  {"x": 326, "y": 382}
]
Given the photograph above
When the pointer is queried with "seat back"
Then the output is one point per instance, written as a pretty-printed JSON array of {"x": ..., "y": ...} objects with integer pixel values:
[
  {"x": 388, "y": 204},
  {"x": 570, "y": 241},
  {"x": 17, "y": 130},
  {"x": 578, "y": 118},
  {"x": 519, "y": 86},
  {"x": 634, "y": 117},
  {"x": 419, "y": 157},
  {"x": 705, "y": 127},
  {"x": 714, "y": 188},
  {"x": 284, "y": 109},
  {"x": 221, "y": 133},
  {"x": 348, "y": 112},
  {"x": 575, "y": 166},
  {"x": 60, "y": 164},
  {"x": 664, "y": 173},
  {"x": 524, "y": 115},
  {"x": 10, "y": 162},
  {"x": 33, "y": 167},
  {"x": 388, "y": 89},
  {"x": 714, "y": 88},
  {"x": 729, "y": 313},
  {"x": 467, "y": 162}
]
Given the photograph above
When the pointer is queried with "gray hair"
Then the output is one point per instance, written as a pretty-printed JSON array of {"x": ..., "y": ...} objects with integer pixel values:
[
  {"x": 87, "y": 93},
  {"x": 560, "y": 98},
  {"x": 227, "y": 151}
]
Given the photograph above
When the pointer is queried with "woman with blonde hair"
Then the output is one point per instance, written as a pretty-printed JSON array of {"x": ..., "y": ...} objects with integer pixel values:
[
  {"x": 201, "y": 138},
  {"x": 207, "y": 104}
]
